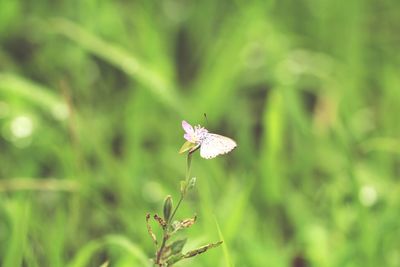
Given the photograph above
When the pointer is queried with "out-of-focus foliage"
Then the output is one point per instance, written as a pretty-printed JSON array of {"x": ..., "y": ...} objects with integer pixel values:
[{"x": 91, "y": 98}]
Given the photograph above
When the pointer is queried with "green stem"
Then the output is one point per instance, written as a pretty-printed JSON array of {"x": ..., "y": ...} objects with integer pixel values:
[
  {"x": 176, "y": 208},
  {"x": 183, "y": 193},
  {"x": 188, "y": 166}
]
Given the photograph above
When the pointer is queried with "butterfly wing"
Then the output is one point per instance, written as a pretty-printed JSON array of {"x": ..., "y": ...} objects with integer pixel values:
[{"x": 215, "y": 144}]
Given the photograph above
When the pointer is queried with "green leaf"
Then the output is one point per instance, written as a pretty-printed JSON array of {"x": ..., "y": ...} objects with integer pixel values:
[
  {"x": 177, "y": 246},
  {"x": 174, "y": 259},
  {"x": 187, "y": 146}
]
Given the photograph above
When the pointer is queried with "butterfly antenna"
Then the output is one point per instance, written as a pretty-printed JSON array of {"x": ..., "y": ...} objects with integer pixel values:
[{"x": 205, "y": 116}]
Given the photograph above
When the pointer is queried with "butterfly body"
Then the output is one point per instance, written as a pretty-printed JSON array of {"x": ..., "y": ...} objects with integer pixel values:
[{"x": 211, "y": 145}]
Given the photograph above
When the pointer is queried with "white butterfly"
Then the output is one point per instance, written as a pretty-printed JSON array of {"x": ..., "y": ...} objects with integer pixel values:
[{"x": 211, "y": 145}]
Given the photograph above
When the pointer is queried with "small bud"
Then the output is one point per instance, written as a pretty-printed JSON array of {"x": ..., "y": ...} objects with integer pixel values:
[
  {"x": 188, "y": 222},
  {"x": 178, "y": 225},
  {"x": 192, "y": 183},
  {"x": 167, "y": 208},
  {"x": 161, "y": 221}
]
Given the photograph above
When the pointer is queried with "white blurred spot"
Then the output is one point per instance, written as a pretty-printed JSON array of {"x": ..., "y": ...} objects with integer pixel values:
[
  {"x": 60, "y": 111},
  {"x": 368, "y": 195},
  {"x": 21, "y": 127}
]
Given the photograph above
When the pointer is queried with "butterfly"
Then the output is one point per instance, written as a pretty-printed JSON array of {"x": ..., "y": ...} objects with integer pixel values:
[{"x": 210, "y": 144}]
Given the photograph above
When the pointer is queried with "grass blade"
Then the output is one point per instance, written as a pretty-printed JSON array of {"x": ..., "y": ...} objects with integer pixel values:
[
  {"x": 225, "y": 249},
  {"x": 121, "y": 59},
  {"x": 33, "y": 92}
]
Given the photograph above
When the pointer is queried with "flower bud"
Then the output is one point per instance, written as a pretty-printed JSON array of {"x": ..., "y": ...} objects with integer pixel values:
[
  {"x": 192, "y": 183},
  {"x": 167, "y": 208}
]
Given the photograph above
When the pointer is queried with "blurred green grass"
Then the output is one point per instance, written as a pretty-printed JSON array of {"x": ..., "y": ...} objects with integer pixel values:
[{"x": 91, "y": 98}]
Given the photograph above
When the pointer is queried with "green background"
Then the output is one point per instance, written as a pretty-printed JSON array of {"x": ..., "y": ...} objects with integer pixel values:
[{"x": 92, "y": 95}]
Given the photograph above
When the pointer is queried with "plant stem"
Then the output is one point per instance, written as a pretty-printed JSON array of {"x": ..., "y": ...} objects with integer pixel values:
[
  {"x": 159, "y": 253},
  {"x": 183, "y": 194},
  {"x": 176, "y": 208}
]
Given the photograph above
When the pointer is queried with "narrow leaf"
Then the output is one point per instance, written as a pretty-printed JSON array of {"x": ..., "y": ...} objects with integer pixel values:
[
  {"x": 224, "y": 246},
  {"x": 201, "y": 250}
]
